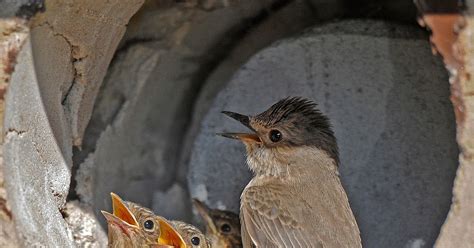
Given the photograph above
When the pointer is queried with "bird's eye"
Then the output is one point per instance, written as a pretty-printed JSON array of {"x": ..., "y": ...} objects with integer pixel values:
[
  {"x": 195, "y": 240},
  {"x": 275, "y": 135},
  {"x": 149, "y": 225},
  {"x": 225, "y": 228}
]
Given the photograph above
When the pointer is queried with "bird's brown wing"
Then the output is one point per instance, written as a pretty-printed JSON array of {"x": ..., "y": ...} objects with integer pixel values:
[
  {"x": 246, "y": 240},
  {"x": 269, "y": 222}
]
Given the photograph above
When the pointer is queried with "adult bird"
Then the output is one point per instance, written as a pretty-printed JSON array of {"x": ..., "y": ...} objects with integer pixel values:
[{"x": 295, "y": 198}]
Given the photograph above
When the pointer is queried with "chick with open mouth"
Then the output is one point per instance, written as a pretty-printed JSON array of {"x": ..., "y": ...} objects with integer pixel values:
[{"x": 131, "y": 225}]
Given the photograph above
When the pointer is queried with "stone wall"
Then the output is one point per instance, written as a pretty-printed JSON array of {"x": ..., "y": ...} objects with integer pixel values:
[
  {"x": 58, "y": 71},
  {"x": 13, "y": 33},
  {"x": 125, "y": 96},
  {"x": 452, "y": 38}
]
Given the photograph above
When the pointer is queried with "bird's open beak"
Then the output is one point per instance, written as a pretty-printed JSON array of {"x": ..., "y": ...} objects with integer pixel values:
[
  {"x": 170, "y": 236},
  {"x": 204, "y": 211},
  {"x": 245, "y": 120},
  {"x": 121, "y": 211},
  {"x": 125, "y": 219},
  {"x": 114, "y": 220},
  {"x": 121, "y": 216}
]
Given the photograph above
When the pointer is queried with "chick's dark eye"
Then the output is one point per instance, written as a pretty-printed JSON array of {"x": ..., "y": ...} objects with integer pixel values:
[
  {"x": 225, "y": 228},
  {"x": 195, "y": 241},
  {"x": 149, "y": 225},
  {"x": 275, "y": 135}
]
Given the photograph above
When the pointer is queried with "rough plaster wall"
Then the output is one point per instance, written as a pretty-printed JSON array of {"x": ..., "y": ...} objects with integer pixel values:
[
  {"x": 10, "y": 7},
  {"x": 458, "y": 230},
  {"x": 92, "y": 42},
  {"x": 113, "y": 173},
  {"x": 40, "y": 179},
  {"x": 41, "y": 111},
  {"x": 13, "y": 33},
  {"x": 388, "y": 100}
]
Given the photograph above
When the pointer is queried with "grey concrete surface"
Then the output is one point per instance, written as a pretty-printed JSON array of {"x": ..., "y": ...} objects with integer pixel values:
[
  {"x": 39, "y": 117},
  {"x": 388, "y": 99},
  {"x": 172, "y": 203},
  {"x": 20, "y": 8},
  {"x": 458, "y": 229},
  {"x": 13, "y": 35},
  {"x": 85, "y": 229},
  {"x": 122, "y": 162},
  {"x": 36, "y": 168}
]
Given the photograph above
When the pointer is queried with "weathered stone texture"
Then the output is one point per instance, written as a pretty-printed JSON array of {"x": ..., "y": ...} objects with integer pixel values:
[
  {"x": 105, "y": 170},
  {"x": 85, "y": 229},
  {"x": 173, "y": 203},
  {"x": 38, "y": 174},
  {"x": 458, "y": 230},
  {"x": 20, "y": 8},
  {"x": 92, "y": 41},
  {"x": 388, "y": 100},
  {"x": 68, "y": 50},
  {"x": 13, "y": 34}
]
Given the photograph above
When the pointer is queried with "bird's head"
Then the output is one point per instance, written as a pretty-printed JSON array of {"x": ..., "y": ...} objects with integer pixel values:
[
  {"x": 192, "y": 236},
  {"x": 222, "y": 227},
  {"x": 132, "y": 224},
  {"x": 280, "y": 131}
]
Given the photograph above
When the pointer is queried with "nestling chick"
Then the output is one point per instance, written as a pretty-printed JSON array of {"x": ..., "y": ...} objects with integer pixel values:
[
  {"x": 192, "y": 236},
  {"x": 131, "y": 225},
  {"x": 222, "y": 227},
  {"x": 295, "y": 198}
]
